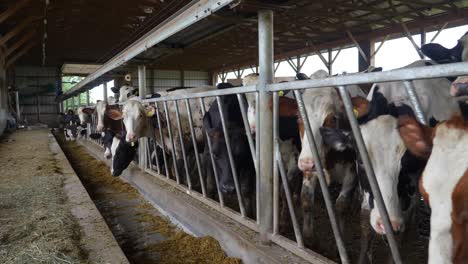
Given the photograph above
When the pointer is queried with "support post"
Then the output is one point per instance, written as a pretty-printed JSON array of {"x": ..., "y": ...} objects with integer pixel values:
[
  {"x": 330, "y": 62},
  {"x": 266, "y": 65},
  {"x": 104, "y": 92},
  {"x": 366, "y": 49},
  {"x": 142, "y": 81},
  {"x": 18, "y": 112},
  {"x": 87, "y": 98}
]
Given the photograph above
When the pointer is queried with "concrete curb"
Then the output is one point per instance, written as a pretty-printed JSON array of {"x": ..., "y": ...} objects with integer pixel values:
[{"x": 97, "y": 238}]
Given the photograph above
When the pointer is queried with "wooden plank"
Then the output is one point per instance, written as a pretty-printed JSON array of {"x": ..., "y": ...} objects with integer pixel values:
[
  {"x": 20, "y": 42},
  {"x": 20, "y": 54},
  {"x": 13, "y": 9},
  {"x": 27, "y": 22}
]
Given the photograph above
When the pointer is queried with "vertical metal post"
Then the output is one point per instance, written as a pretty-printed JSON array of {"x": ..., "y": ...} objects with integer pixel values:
[
  {"x": 66, "y": 106},
  {"x": 171, "y": 139},
  {"x": 370, "y": 173},
  {"x": 240, "y": 99},
  {"x": 414, "y": 99},
  {"x": 423, "y": 37},
  {"x": 275, "y": 168},
  {"x": 265, "y": 127},
  {"x": 87, "y": 98},
  {"x": 195, "y": 147},
  {"x": 18, "y": 112},
  {"x": 104, "y": 87},
  {"x": 162, "y": 141},
  {"x": 330, "y": 62},
  {"x": 257, "y": 156},
  {"x": 182, "y": 145},
  {"x": 142, "y": 81}
]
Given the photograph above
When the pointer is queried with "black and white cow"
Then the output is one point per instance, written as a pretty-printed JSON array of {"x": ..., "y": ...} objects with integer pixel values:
[{"x": 240, "y": 150}]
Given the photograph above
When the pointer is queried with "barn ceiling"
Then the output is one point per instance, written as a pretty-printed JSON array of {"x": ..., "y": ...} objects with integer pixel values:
[{"x": 90, "y": 31}]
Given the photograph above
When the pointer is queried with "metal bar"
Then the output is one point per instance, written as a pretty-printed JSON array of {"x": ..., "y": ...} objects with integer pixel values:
[
  {"x": 265, "y": 127},
  {"x": 169, "y": 129},
  {"x": 361, "y": 52},
  {"x": 247, "y": 128},
  {"x": 156, "y": 158},
  {"x": 289, "y": 61},
  {"x": 277, "y": 66},
  {"x": 231, "y": 157},
  {"x": 182, "y": 145},
  {"x": 287, "y": 192},
  {"x": 142, "y": 81},
  {"x": 425, "y": 72},
  {"x": 438, "y": 32},
  {"x": 321, "y": 177},
  {"x": 195, "y": 147},
  {"x": 162, "y": 141},
  {"x": 257, "y": 156},
  {"x": 87, "y": 98},
  {"x": 187, "y": 16},
  {"x": 18, "y": 111},
  {"x": 214, "y": 92},
  {"x": 210, "y": 148},
  {"x": 380, "y": 46},
  {"x": 330, "y": 62},
  {"x": 370, "y": 173},
  {"x": 104, "y": 87},
  {"x": 303, "y": 62},
  {"x": 410, "y": 37},
  {"x": 336, "y": 55},
  {"x": 414, "y": 99},
  {"x": 276, "y": 141}
]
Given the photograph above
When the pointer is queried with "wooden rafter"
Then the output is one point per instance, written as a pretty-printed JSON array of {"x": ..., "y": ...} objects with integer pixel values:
[
  {"x": 20, "y": 53},
  {"x": 13, "y": 9},
  {"x": 15, "y": 31},
  {"x": 28, "y": 36}
]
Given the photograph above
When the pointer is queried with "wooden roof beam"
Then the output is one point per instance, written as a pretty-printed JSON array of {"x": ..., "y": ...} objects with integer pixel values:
[
  {"x": 19, "y": 43},
  {"x": 27, "y": 22},
  {"x": 13, "y": 9},
  {"x": 20, "y": 53}
]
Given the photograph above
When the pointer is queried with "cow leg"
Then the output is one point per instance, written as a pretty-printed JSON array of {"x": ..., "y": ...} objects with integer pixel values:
[
  {"x": 345, "y": 198},
  {"x": 307, "y": 201},
  {"x": 365, "y": 254}
]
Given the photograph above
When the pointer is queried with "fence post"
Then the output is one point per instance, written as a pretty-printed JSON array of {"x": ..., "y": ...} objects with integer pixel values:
[
  {"x": 104, "y": 87},
  {"x": 266, "y": 65},
  {"x": 142, "y": 81}
]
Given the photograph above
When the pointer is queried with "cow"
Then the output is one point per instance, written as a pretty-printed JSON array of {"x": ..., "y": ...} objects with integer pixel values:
[
  {"x": 443, "y": 184},
  {"x": 459, "y": 87},
  {"x": 242, "y": 157},
  {"x": 84, "y": 114},
  {"x": 125, "y": 92}
]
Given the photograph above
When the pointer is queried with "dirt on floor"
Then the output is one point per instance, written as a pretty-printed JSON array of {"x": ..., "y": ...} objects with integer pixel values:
[
  {"x": 36, "y": 225},
  {"x": 144, "y": 234}
]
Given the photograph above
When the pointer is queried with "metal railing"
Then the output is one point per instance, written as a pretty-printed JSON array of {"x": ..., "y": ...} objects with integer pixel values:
[{"x": 170, "y": 172}]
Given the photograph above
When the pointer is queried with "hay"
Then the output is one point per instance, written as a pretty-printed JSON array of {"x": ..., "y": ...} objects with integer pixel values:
[
  {"x": 178, "y": 247},
  {"x": 35, "y": 220}
]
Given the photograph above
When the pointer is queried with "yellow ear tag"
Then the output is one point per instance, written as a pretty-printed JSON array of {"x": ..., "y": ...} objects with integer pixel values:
[
  {"x": 355, "y": 111},
  {"x": 150, "y": 113},
  {"x": 132, "y": 144},
  {"x": 281, "y": 93}
]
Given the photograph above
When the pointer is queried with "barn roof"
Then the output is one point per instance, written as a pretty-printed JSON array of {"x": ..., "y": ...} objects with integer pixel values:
[{"x": 95, "y": 31}]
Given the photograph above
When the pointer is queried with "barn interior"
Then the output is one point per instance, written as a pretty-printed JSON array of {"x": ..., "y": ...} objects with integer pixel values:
[{"x": 161, "y": 44}]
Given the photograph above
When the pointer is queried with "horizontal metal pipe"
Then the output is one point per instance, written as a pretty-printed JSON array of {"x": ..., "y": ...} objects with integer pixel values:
[
  {"x": 416, "y": 73},
  {"x": 237, "y": 90}
]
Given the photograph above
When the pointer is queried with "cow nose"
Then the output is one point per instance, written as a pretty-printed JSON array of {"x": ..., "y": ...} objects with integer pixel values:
[
  {"x": 306, "y": 164},
  {"x": 459, "y": 89},
  {"x": 131, "y": 137},
  {"x": 227, "y": 188},
  {"x": 397, "y": 226}
]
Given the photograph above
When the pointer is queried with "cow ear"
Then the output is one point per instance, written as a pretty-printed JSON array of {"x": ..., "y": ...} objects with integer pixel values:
[
  {"x": 336, "y": 139},
  {"x": 207, "y": 124},
  {"x": 88, "y": 110},
  {"x": 114, "y": 114},
  {"x": 115, "y": 90},
  {"x": 417, "y": 137},
  {"x": 361, "y": 106},
  {"x": 436, "y": 52}
]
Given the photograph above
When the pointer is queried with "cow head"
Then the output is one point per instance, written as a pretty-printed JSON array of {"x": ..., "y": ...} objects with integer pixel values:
[
  {"x": 71, "y": 130},
  {"x": 135, "y": 119},
  {"x": 443, "y": 183},
  {"x": 84, "y": 114},
  {"x": 126, "y": 92},
  {"x": 100, "y": 110},
  {"x": 122, "y": 154},
  {"x": 396, "y": 169},
  {"x": 239, "y": 144},
  {"x": 459, "y": 87}
]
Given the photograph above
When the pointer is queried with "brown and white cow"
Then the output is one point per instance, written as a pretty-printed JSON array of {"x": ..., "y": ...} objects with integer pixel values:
[{"x": 444, "y": 183}]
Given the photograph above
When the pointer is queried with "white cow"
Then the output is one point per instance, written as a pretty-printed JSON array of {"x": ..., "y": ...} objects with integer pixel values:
[{"x": 443, "y": 184}]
